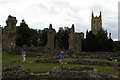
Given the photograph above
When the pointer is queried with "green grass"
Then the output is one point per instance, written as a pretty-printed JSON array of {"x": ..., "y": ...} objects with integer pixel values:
[
  {"x": 104, "y": 60},
  {"x": 65, "y": 60},
  {"x": 34, "y": 67},
  {"x": 44, "y": 67},
  {"x": 107, "y": 69},
  {"x": 7, "y": 58}
]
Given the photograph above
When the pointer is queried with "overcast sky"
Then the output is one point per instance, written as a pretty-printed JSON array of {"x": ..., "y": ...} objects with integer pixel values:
[{"x": 38, "y": 14}]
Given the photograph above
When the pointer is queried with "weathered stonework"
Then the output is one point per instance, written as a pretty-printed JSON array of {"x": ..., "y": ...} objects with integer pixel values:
[
  {"x": 96, "y": 23},
  {"x": 9, "y": 33},
  {"x": 51, "y": 38},
  {"x": 75, "y": 40}
]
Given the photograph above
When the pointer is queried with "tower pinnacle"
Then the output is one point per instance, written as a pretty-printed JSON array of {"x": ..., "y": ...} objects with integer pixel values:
[
  {"x": 92, "y": 14},
  {"x": 100, "y": 14}
]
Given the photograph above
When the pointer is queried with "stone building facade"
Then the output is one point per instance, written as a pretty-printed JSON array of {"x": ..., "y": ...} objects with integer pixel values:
[
  {"x": 51, "y": 38},
  {"x": 75, "y": 40},
  {"x": 9, "y": 33},
  {"x": 96, "y": 23}
]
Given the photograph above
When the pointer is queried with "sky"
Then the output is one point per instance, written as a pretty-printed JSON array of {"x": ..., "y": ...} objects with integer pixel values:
[{"x": 38, "y": 14}]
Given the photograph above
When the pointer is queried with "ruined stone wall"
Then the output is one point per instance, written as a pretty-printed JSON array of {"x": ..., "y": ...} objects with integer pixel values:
[
  {"x": 9, "y": 33},
  {"x": 71, "y": 38},
  {"x": 51, "y": 37},
  {"x": 75, "y": 40},
  {"x": 77, "y": 45}
]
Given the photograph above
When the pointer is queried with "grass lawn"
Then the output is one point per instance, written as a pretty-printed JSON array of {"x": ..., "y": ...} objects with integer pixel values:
[
  {"x": 107, "y": 69},
  {"x": 105, "y": 60},
  {"x": 44, "y": 67},
  {"x": 34, "y": 67}
]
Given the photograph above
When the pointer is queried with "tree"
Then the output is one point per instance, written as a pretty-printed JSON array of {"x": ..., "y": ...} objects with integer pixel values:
[
  {"x": 98, "y": 42},
  {"x": 91, "y": 43},
  {"x": 102, "y": 36},
  {"x": 42, "y": 37},
  {"x": 62, "y": 37},
  {"x": 23, "y": 35},
  {"x": 109, "y": 46},
  {"x": 65, "y": 39},
  {"x": 33, "y": 37}
]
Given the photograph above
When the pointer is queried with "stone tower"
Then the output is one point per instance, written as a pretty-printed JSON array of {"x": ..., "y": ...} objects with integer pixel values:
[
  {"x": 75, "y": 40},
  {"x": 71, "y": 38},
  {"x": 9, "y": 33},
  {"x": 96, "y": 23},
  {"x": 51, "y": 38}
]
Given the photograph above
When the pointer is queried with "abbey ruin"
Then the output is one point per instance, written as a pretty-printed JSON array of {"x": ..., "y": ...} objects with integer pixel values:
[
  {"x": 75, "y": 39},
  {"x": 51, "y": 38},
  {"x": 9, "y": 33}
]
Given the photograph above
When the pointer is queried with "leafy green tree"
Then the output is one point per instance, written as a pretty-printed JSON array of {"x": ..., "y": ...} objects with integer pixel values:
[
  {"x": 58, "y": 37},
  {"x": 62, "y": 37},
  {"x": 92, "y": 43},
  {"x": 23, "y": 35},
  {"x": 109, "y": 46},
  {"x": 42, "y": 37},
  {"x": 33, "y": 37},
  {"x": 98, "y": 42},
  {"x": 102, "y": 36}
]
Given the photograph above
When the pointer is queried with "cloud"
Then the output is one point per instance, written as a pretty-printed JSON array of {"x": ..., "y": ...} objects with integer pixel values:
[
  {"x": 8, "y": 1},
  {"x": 40, "y": 13}
]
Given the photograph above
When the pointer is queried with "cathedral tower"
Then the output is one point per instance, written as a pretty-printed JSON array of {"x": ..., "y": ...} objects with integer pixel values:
[{"x": 96, "y": 23}]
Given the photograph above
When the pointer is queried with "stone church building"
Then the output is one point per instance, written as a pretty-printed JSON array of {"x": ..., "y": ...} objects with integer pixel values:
[{"x": 96, "y": 23}]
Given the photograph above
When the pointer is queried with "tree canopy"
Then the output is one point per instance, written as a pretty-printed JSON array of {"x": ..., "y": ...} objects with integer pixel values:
[
  {"x": 62, "y": 38},
  {"x": 98, "y": 42},
  {"x": 23, "y": 34},
  {"x": 27, "y": 36}
]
